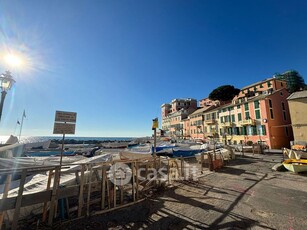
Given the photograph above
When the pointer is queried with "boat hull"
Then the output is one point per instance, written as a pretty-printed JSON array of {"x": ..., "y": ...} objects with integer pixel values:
[{"x": 295, "y": 166}]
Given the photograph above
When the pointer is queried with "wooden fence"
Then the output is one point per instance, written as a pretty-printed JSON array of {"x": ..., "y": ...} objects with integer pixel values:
[{"x": 90, "y": 190}]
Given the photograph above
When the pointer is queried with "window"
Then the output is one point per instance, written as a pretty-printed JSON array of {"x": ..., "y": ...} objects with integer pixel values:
[
  {"x": 256, "y": 103},
  {"x": 271, "y": 114},
  {"x": 284, "y": 115},
  {"x": 238, "y": 106},
  {"x": 287, "y": 131},
  {"x": 270, "y": 103},
  {"x": 281, "y": 84},
  {"x": 283, "y": 106},
  {"x": 269, "y": 84},
  {"x": 233, "y": 118},
  {"x": 263, "y": 130},
  {"x": 261, "y": 86},
  {"x": 239, "y": 117},
  {"x": 247, "y": 116},
  {"x": 257, "y": 113},
  {"x": 246, "y": 106},
  {"x": 271, "y": 109},
  {"x": 254, "y": 130}
]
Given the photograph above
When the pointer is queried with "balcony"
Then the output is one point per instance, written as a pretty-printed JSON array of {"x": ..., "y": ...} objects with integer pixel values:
[
  {"x": 247, "y": 122},
  {"x": 210, "y": 121},
  {"x": 227, "y": 124}
]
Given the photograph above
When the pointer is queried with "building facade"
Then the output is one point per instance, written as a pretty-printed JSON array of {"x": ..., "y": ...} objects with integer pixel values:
[
  {"x": 298, "y": 107},
  {"x": 258, "y": 114},
  {"x": 174, "y": 113}
]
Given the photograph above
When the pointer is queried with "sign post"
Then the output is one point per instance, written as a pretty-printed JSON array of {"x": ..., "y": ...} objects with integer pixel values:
[
  {"x": 64, "y": 123},
  {"x": 155, "y": 125}
]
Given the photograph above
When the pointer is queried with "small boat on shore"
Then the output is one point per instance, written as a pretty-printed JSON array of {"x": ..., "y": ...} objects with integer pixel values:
[
  {"x": 295, "y": 166},
  {"x": 48, "y": 153}
]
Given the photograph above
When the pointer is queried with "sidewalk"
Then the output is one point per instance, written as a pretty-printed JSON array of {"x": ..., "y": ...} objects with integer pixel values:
[{"x": 246, "y": 194}]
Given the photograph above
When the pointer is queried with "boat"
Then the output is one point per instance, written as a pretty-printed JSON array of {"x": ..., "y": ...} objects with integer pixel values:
[
  {"x": 48, "y": 153},
  {"x": 126, "y": 155},
  {"x": 295, "y": 166},
  {"x": 295, "y": 154}
]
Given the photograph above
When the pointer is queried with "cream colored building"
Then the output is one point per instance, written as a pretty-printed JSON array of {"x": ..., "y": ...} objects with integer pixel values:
[{"x": 298, "y": 111}]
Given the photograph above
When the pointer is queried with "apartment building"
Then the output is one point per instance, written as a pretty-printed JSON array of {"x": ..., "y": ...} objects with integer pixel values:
[
  {"x": 174, "y": 113},
  {"x": 197, "y": 122},
  {"x": 260, "y": 113},
  {"x": 298, "y": 107}
]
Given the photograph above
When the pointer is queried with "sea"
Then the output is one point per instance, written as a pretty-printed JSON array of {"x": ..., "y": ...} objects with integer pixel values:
[{"x": 28, "y": 139}]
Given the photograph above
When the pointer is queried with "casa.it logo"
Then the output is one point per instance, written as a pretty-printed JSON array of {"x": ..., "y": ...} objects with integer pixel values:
[{"x": 120, "y": 174}]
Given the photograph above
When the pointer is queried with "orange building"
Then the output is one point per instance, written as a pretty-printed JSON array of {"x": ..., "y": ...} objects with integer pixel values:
[{"x": 260, "y": 113}]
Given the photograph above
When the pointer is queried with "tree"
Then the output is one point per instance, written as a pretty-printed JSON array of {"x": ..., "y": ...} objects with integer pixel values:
[
  {"x": 295, "y": 81},
  {"x": 224, "y": 93}
]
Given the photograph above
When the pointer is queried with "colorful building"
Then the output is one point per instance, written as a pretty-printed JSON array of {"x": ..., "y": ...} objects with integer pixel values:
[
  {"x": 197, "y": 122},
  {"x": 260, "y": 113},
  {"x": 174, "y": 113}
]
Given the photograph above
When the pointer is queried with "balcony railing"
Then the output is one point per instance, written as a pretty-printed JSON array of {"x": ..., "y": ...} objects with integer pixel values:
[
  {"x": 210, "y": 121},
  {"x": 227, "y": 124},
  {"x": 247, "y": 122}
]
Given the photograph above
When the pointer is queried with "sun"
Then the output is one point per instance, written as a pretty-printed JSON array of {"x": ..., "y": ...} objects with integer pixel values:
[{"x": 13, "y": 60}]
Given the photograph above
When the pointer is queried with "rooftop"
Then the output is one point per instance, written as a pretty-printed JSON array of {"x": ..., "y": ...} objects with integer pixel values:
[{"x": 297, "y": 95}]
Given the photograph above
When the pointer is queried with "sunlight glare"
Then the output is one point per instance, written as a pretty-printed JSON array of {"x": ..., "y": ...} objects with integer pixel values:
[{"x": 13, "y": 60}]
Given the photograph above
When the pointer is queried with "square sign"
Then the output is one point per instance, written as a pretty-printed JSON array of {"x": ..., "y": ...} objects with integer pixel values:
[
  {"x": 61, "y": 116},
  {"x": 65, "y": 122},
  {"x": 64, "y": 128}
]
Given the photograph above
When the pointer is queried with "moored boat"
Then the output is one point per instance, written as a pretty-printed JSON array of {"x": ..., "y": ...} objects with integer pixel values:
[{"x": 295, "y": 166}]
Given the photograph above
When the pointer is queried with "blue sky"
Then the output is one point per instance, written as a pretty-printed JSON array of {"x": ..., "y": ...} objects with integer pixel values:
[{"x": 115, "y": 62}]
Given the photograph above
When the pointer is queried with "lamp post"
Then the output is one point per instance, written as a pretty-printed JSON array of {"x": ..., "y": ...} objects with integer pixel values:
[{"x": 6, "y": 83}]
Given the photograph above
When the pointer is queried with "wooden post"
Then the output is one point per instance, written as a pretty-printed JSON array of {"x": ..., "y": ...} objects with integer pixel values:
[
  {"x": 45, "y": 203},
  {"x": 121, "y": 192},
  {"x": 168, "y": 172},
  {"x": 103, "y": 188},
  {"x": 81, "y": 191},
  {"x": 5, "y": 194},
  {"x": 137, "y": 180},
  {"x": 201, "y": 162},
  {"x": 114, "y": 186},
  {"x": 133, "y": 181},
  {"x": 109, "y": 194},
  {"x": 19, "y": 198},
  {"x": 182, "y": 167},
  {"x": 54, "y": 195},
  {"x": 89, "y": 191}
]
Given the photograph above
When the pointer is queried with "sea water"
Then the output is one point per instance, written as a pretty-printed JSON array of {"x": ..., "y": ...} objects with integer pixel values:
[{"x": 29, "y": 139}]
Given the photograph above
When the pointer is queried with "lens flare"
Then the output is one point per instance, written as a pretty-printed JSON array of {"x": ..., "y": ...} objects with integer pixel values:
[{"x": 13, "y": 60}]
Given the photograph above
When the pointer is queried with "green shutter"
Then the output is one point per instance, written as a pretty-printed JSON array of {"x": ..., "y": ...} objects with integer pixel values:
[
  {"x": 239, "y": 117},
  {"x": 257, "y": 112}
]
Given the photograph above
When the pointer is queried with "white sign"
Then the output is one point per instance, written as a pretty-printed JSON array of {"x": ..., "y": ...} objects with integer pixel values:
[
  {"x": 64, "y": 128},
  {"x": 61, "y": 116}
]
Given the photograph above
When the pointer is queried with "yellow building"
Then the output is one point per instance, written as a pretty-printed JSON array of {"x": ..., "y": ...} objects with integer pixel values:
[{"x": 298, "y": 106}]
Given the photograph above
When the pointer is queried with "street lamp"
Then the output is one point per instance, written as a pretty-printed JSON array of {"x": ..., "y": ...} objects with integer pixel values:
[{"x": 6, "y": 83}]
